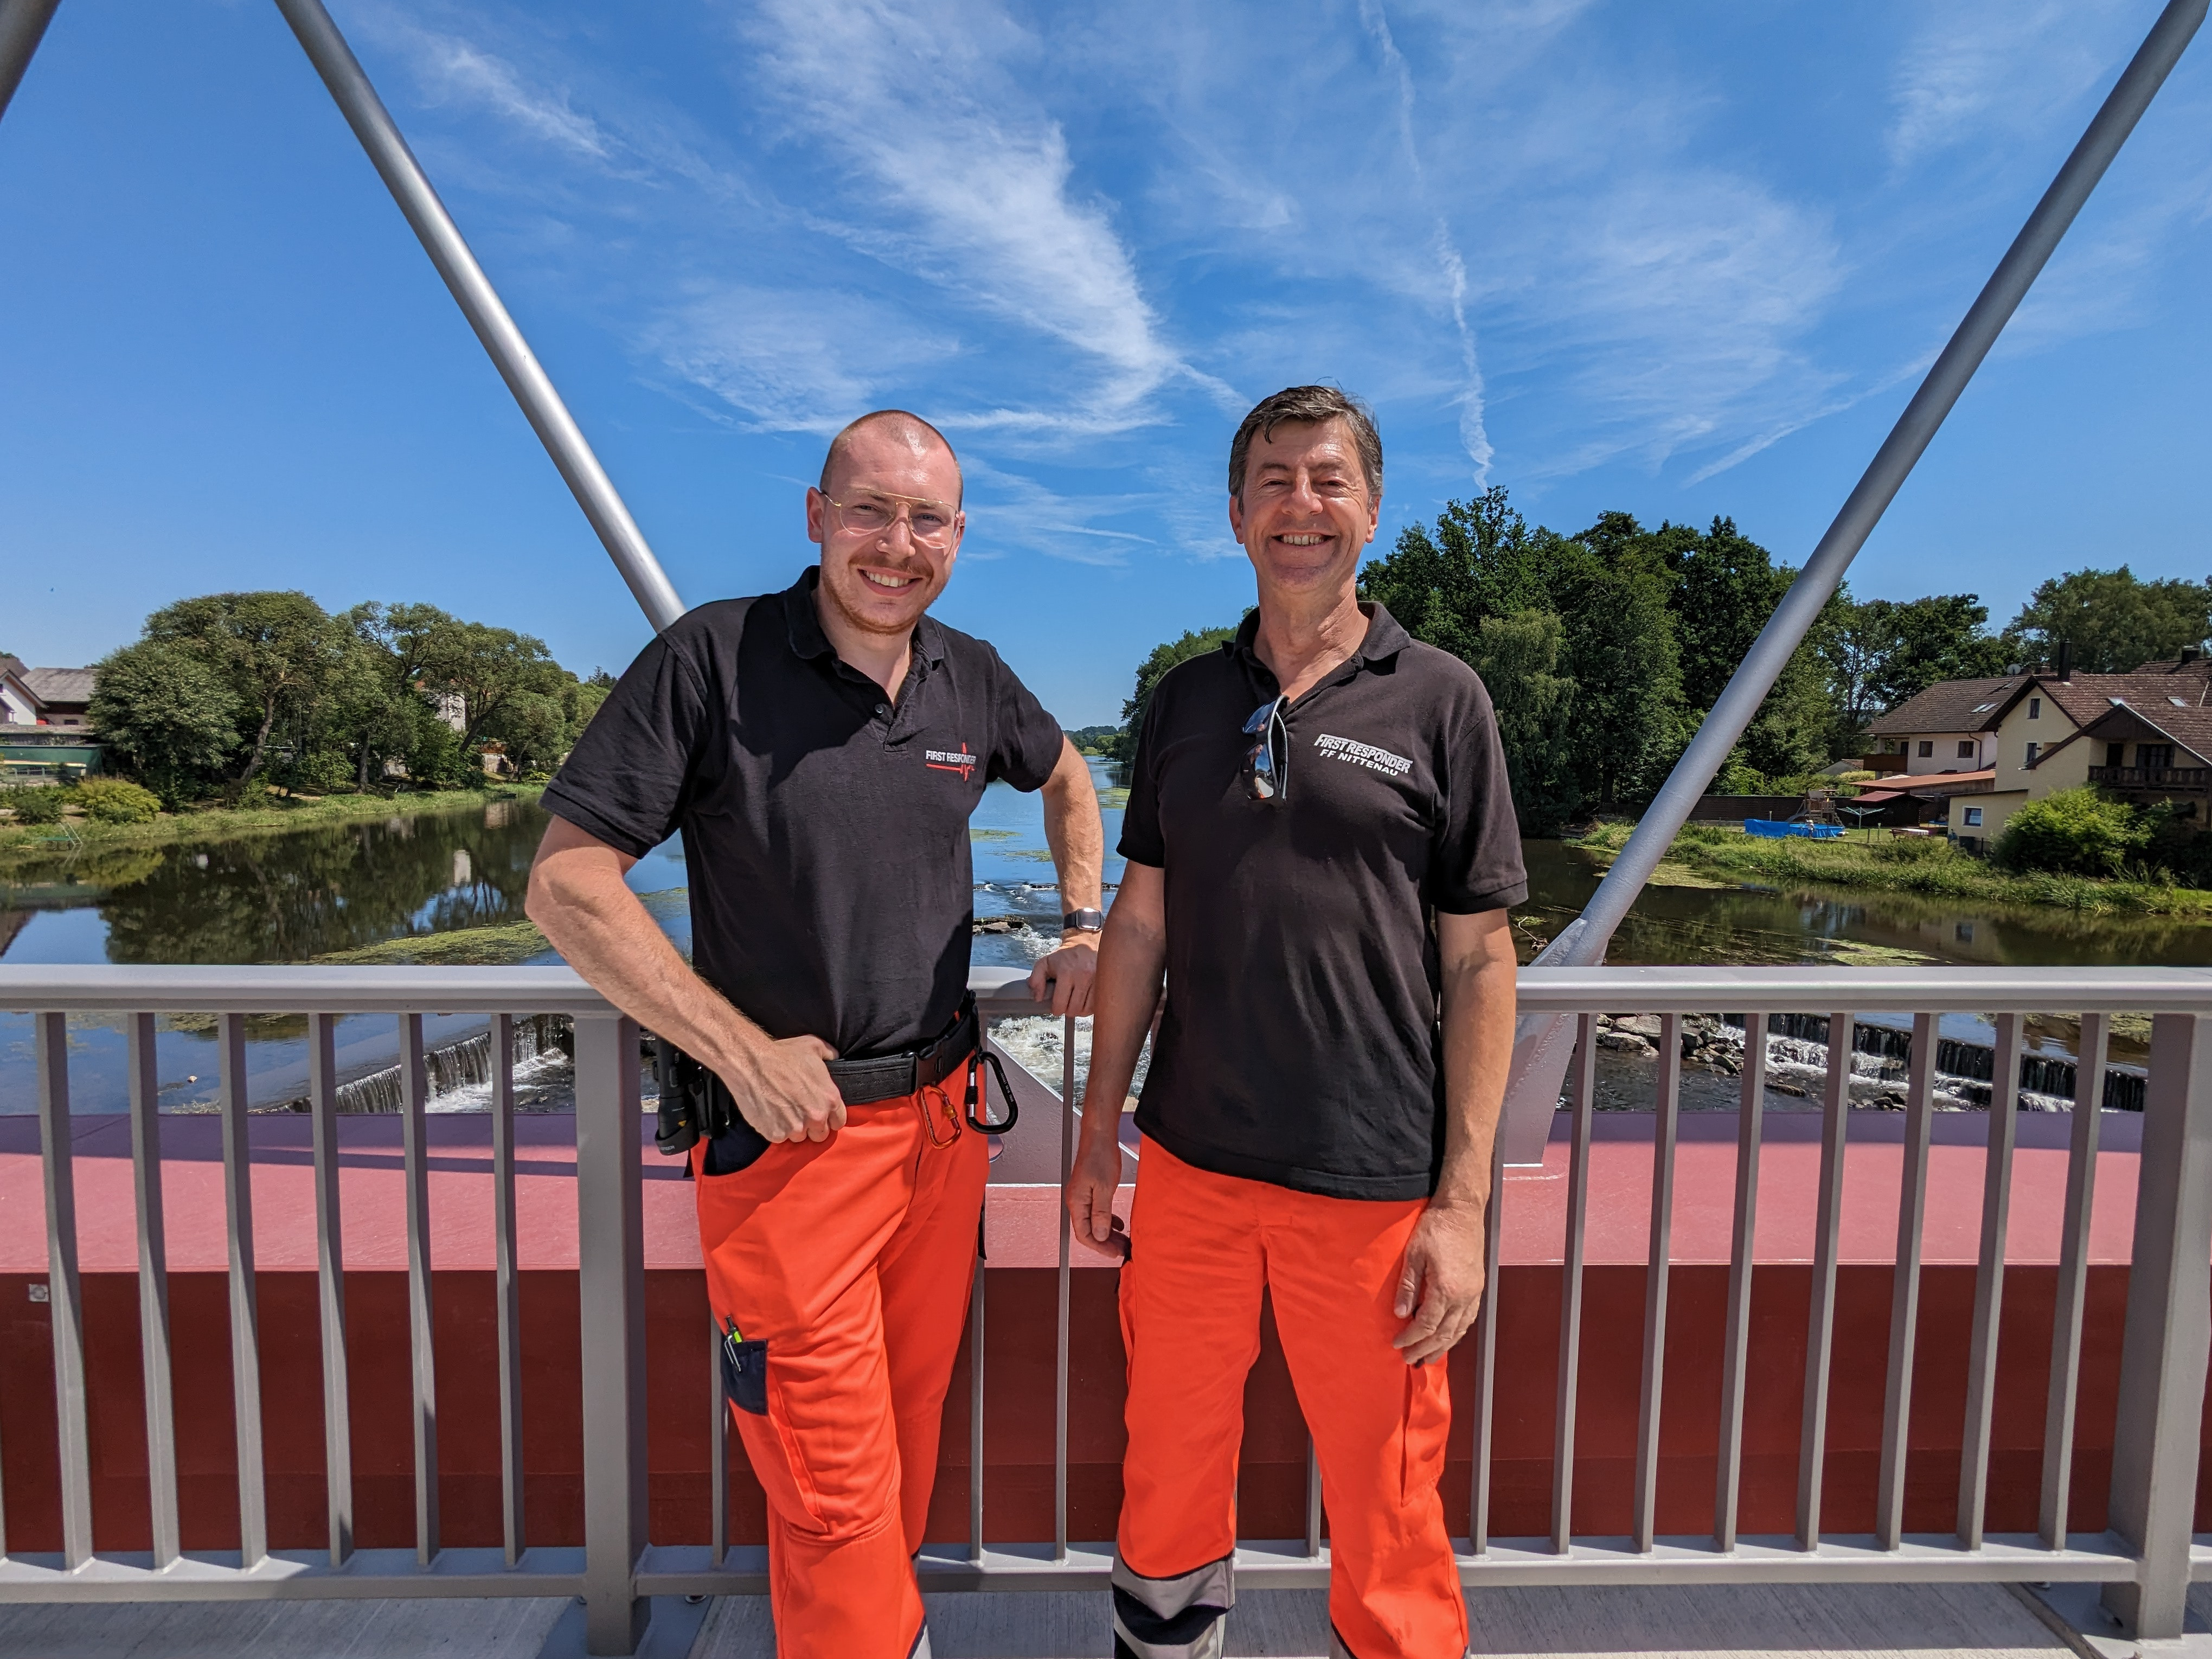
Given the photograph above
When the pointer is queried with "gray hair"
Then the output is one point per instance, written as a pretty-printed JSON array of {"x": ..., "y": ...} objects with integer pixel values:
[{"x": 1309, "y": 405}]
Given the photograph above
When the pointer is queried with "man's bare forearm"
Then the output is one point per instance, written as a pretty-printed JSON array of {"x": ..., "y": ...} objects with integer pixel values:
[
  {"x": 1131, "y": 959},
  {"x": 579, "y": 902},
  {"x": 1478, "y": 1030},
  {"x": 1072, "y": 832}
]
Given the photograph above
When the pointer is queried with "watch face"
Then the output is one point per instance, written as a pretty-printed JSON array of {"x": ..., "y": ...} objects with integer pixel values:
[{"x": 1083, "y": 921}]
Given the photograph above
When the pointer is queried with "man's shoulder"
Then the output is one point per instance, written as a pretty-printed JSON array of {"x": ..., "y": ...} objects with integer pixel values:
[
  {"x": 1212, "y": 673},
  {"x": 968, "y": 652},
  {"x": 1430, "y": 666},
  {"x": 717, "y": 623}
]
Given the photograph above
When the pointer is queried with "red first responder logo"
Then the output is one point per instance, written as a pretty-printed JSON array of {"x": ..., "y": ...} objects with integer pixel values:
[{"x": 951, "y": 760}]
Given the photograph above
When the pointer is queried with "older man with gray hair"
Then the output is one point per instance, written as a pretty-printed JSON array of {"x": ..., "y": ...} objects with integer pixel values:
[{"x": 1321, "y": 850}]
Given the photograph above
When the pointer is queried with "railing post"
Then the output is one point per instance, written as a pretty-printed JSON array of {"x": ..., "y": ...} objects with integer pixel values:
[
  {"x": 2169, "y": 1331},
  {"x": 611, "y": 1295},
  {"x": 64, "y": 1294}
]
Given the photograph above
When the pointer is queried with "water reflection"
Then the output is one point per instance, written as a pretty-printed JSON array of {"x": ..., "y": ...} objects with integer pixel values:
[
  {"x": 294, "y": 897},
  {"x": 1755, "y": 926}
]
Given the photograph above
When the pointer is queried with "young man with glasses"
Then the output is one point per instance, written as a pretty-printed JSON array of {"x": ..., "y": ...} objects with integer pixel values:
[
  {"x": 821, "y": 750},
  {"x": 1322, "y": 849}
]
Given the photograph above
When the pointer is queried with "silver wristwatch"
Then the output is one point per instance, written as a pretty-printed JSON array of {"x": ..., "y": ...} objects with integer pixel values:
[{"x": 1082, "y": 922}]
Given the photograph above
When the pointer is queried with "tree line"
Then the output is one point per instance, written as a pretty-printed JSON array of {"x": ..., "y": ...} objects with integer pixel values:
[
  {"x": 227, "y": 691},
  {"x": 1603, "y": 651}
]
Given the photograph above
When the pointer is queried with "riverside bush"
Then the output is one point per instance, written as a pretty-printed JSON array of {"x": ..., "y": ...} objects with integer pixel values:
[
  {"x": 34, "y": 805},
  {"x": 2075, "y": 832},
  {"x": 113, "y": 800}
]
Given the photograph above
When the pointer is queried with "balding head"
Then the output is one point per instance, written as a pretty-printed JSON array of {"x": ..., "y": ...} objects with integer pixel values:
[{"x": 893, "y": 427}]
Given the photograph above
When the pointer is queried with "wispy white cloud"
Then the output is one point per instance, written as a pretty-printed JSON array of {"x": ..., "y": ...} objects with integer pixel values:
[
  {"x": 2001, "y": 66},
  {"x": 957, "y": 176},
  {"x": 453, "y": 71},
  {"x": 789, "y": 360},
  {"x": 1008, "y": 509}
]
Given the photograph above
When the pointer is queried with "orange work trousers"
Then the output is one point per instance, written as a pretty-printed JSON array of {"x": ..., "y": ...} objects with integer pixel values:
[
  {"x": 1203, "y": 1247},
  {"x": 851, "y": 1259}
]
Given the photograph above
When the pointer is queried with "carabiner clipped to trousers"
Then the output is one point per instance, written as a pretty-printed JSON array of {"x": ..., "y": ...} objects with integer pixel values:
[{"x": 985, "y": 1057}]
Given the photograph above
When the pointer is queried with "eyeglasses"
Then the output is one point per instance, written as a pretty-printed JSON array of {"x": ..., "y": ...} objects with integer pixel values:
[
  {"x": 930, "y": 524},
  {"x": 1264, "y": 779}
]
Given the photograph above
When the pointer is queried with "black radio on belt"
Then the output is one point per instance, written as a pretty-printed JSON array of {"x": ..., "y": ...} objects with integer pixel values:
[{"x": 697, "y": 1105}]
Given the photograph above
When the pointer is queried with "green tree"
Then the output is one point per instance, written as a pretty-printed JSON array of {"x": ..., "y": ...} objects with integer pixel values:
[
  {"x": 2112, "y": 621},
  {"x": 490, "y": 670},
  {"x": 1161, "y": 659},
  {"x": 277, "y": 652},
  {"x": 1608, "y": 590},
  {"x": 167, "y": 714},
  {"x": 1725, "y": 587},
  {"x": 1878, "y": 652},
  {"x": 1481, "y": 561},
  {"x": 1518, "y": 658},
  {"x": 1622, "y": 655}
]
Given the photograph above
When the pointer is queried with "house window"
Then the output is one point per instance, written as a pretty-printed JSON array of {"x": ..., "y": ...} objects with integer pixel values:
[
  {"x": 2033, "y": 750},
  {"x": 1927, "y": 748},
  {"x": 2035, "y": 708},
  {"x": 1965, "y": 748},
  {"x": 2153, "y": 754},
  {"x": 2116, "y": 754},
  {"x": 1973, "y": 818}
]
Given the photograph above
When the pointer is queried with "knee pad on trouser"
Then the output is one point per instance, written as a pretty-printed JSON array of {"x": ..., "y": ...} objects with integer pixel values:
[{"x": 1185, "y": 1617}]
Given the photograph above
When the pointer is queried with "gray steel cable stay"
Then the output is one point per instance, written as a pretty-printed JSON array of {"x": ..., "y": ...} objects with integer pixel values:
[
  {"x": 22, "y": 22},
  {"x": 1542, "y": 1042}
]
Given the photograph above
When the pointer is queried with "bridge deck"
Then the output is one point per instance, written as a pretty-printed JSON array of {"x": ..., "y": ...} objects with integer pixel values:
[{"x": 1925, "y": 1622}]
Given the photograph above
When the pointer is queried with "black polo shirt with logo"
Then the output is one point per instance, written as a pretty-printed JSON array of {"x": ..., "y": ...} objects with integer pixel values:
[
  {"x": 1299, "y": 1044},
  {"x": 825, "y": 828}
]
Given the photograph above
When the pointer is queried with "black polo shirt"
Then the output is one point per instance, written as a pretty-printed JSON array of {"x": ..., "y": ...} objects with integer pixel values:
[
  {"x": 825, "y": 830},
  {"x": 1299, "y": 1044}
]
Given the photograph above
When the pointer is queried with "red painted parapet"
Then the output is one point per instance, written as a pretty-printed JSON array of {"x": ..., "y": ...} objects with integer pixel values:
[{"x": 1022, "y": 1238}]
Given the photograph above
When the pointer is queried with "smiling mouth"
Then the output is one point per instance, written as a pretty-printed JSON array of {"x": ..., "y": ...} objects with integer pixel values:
[
  {"x": 888, "y": 583},
  {"x": 1303, "y": 538}
]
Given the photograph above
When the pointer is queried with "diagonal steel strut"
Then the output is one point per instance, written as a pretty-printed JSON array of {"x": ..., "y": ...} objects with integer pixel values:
[
  {"x": 1541, "y": 1042},
  {"x": 472, "y": 290},
  {"x": 22, "y": 26}
]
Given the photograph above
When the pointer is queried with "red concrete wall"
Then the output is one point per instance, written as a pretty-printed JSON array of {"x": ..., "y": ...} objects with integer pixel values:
[{"x": 1017, "y": 1491}]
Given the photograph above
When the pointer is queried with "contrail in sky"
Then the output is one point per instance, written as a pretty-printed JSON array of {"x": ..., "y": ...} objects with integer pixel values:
[{"x": 1471, "y": 432}]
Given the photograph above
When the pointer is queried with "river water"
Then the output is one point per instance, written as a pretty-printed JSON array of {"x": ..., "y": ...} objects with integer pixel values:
[{"x": 296, "y": 897}]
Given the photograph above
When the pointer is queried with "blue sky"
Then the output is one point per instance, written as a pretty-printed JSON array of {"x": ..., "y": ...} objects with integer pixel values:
[{"x": 1679, "y": 260}]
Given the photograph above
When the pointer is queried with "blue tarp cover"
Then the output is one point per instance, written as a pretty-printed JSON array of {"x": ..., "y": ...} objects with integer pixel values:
[{"x": 1775, "y": 828}]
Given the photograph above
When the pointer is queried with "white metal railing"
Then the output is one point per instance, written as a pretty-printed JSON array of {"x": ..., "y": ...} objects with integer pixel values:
[{"x": 2146, "y": 1560}]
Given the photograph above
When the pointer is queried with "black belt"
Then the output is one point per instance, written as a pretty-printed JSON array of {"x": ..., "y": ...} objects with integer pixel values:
[
  {"x": 696, "y": 1104},
  {"x": 889, "y": 1077}
]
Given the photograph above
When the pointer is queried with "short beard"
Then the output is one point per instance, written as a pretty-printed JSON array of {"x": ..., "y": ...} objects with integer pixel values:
[{"x": 828, "y": 590}]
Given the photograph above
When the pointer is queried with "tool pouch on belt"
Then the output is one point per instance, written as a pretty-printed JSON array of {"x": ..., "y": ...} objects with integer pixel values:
[{"x": 696, "y": 1104}]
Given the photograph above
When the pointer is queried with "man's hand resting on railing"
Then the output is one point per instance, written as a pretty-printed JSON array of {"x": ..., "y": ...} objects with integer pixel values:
[{"x": 1065, "y": 979}]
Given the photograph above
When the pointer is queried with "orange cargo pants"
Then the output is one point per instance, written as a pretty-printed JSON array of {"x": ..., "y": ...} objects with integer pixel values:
[
  {"x": 851, "y": 1259},
  {"x": 1203, "y": 1247}
]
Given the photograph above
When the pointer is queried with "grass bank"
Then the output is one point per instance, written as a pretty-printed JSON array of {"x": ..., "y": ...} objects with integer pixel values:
[
  {"x": 43, "y": 843},
  {"x": 1929, "y": 869},
  {"x": 499, "y": 945}
]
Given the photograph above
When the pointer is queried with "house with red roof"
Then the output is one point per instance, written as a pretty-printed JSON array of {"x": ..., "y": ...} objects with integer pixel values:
[{"x": 1986, "y": 747}]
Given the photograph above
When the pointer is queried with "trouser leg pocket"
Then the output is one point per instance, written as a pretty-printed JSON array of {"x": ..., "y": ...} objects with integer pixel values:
[{"x": 744, "y": 1374}]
